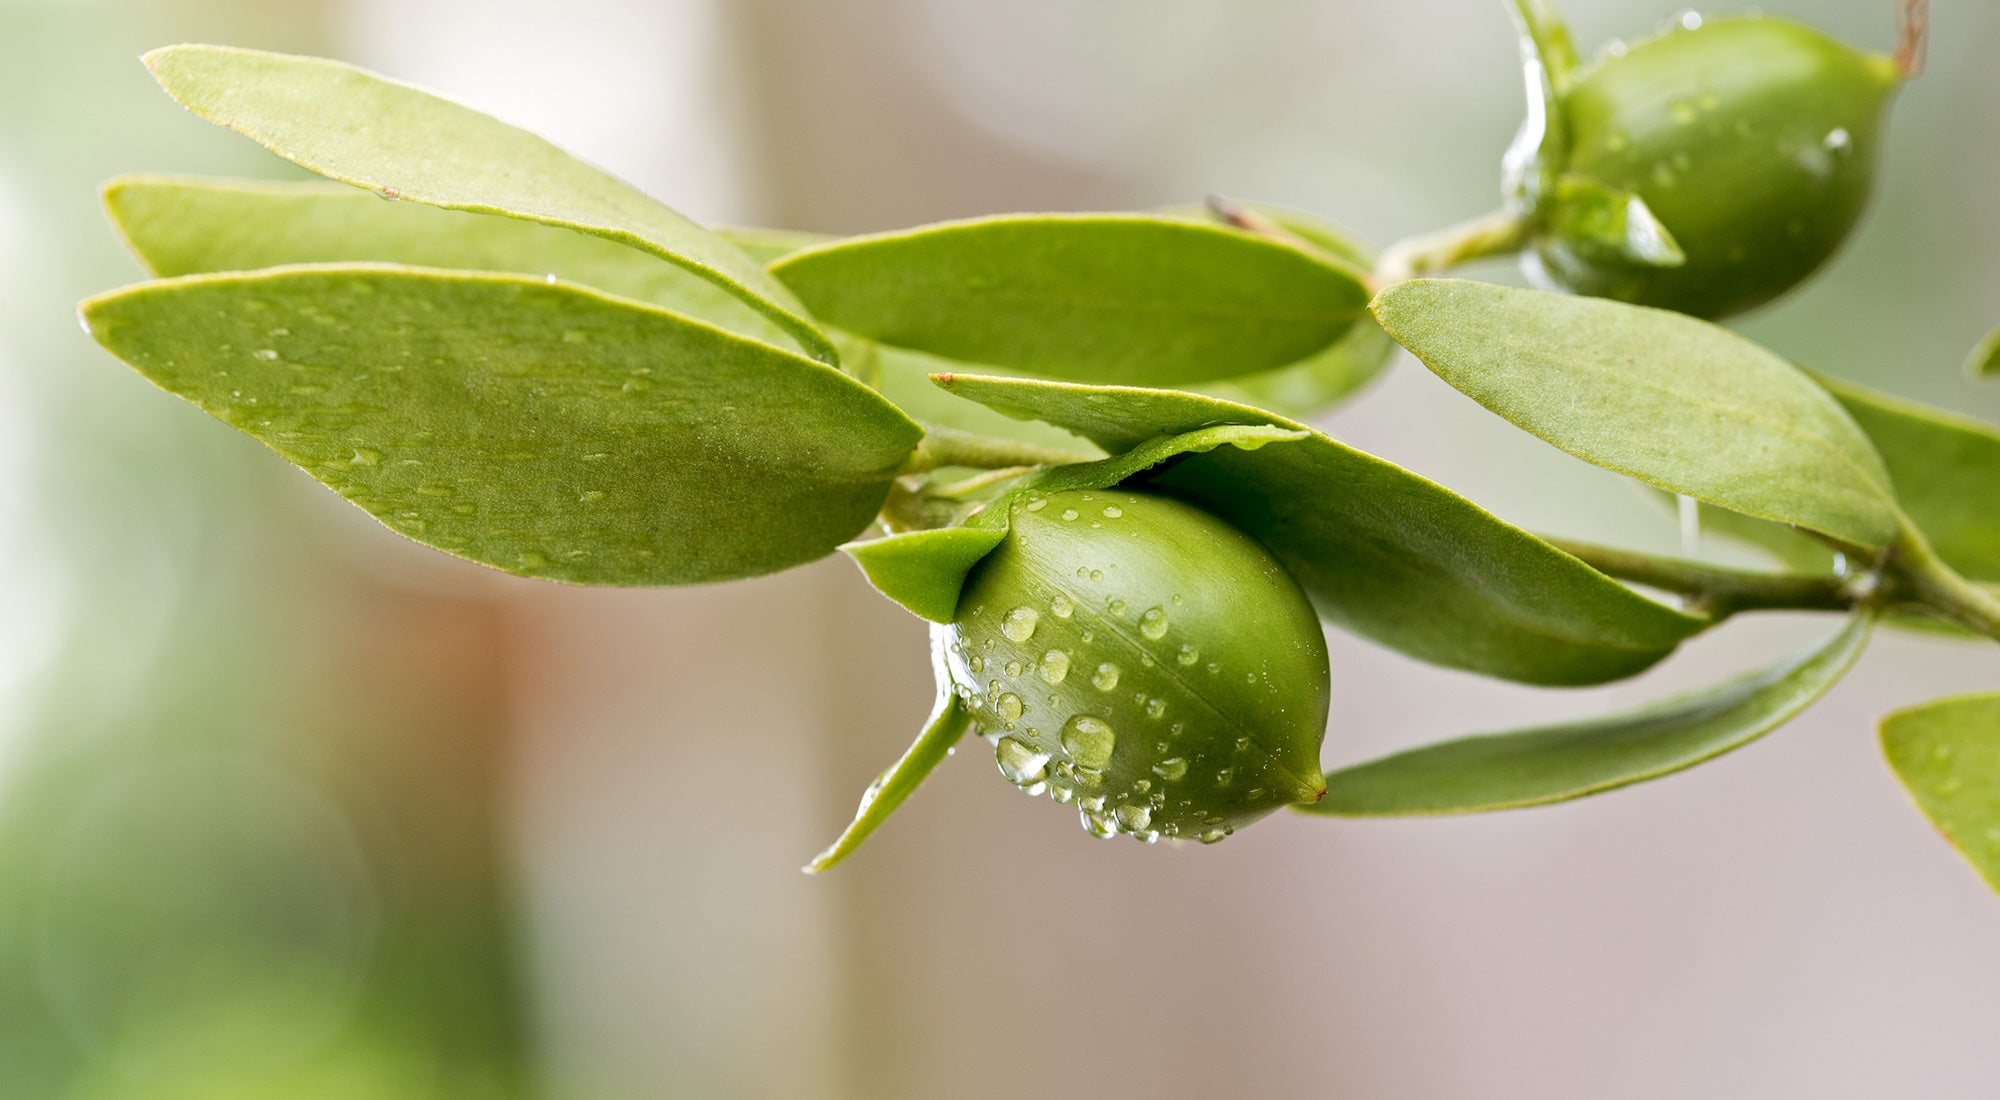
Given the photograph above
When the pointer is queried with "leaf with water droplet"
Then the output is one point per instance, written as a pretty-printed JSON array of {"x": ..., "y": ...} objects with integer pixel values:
[
  {"x": 359, "y": 128},
  {"x": 1140, "y": 299},
  {"x": 1676, "y": 402},
  {"x": 187, "y": 225},
  {"x": 1546, "y": 764},
  {"x": 1591, "y": 223},
  {"x": 1947, "y": 754},
  {"x": 924, "y": 570},
  {"x": 1381, "y": 551},
  {"x": 735, "y": 459},
  {"x": 948, "y": 722}
]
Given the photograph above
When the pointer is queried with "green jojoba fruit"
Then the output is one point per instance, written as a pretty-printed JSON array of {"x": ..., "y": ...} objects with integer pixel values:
[
  {"x": 1752, "y": 139},
  {"x": 1145, "y": 660}
]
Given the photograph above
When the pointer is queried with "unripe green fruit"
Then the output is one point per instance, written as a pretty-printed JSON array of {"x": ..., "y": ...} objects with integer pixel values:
[
  {"x": 1752, "y": 139},
  {"x": 1150, "y": 663}
]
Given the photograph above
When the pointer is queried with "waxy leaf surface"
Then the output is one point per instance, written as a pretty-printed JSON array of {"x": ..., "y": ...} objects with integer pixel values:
[
  {"x": 1134, "y": 299},
  {"x": 1381, "y": 551},
  {"x": 404, "y": 143},
  {"x": 539, "y": 428},
  {"x": 1676, "y": 402},
  {"x": 179, "y": 225},
  {"x": 1532, "y": 767},
  {"x": 1947, "y": 753}
]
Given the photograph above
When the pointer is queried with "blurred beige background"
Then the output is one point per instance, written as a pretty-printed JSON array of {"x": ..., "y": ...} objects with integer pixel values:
[{"x": 534, "y": 841}]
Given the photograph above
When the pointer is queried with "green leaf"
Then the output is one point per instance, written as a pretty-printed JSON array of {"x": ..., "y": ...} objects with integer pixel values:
[
  {"x": 1315, "y": 384},
  {"x": 1947, "y": 753},
  {"x": 948, "y": 723},
  {"x": 1595, "y": 223},
  {"x": 1984, "y": 359},
  {"x": 1137, "y": 299},
  {"x": 904, "y": 377},
  {"x": 179, "y": 225},
  {"x": 925, "y": 570},
  {"x": 1946, "y": 470},
  {"x": 403, "y": 143},
  {"x": 1533, "y": 767},
  {"x": 1381, "y": 551},
  {"x": 766, "y": 245},
  {"x": 1675, "y": 402},
  {"x": 539, "y": 428}
]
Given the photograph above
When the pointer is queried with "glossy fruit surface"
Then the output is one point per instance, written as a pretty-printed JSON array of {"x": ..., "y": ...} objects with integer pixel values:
[
  {"x": 1752, "y": 139},
  {"x": 1144, "y": 660}
]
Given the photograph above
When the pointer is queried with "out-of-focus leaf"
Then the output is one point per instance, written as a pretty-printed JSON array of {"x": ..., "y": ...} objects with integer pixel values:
[
  {"x": 1135, "y": 299},
  {"x": 1595, "y": 223},
  {"x": 948, "y": 723},
  {"x": 1381, "y": 551},
  {"x": 1946, "y": 470},
  {"x": 1316, "y": 384},
  {"x": 1947, "y": 753},
  {"x": 401, "y": 142},
  {"x": 180, "y": 225},
  {"x": 539, "y": 428},
  {"x": 1984, "y": 359},
  {"x": 1676, "y": 402},
  {"x": 766, "y": 245},
  {"x": 1532, "y": 767}
]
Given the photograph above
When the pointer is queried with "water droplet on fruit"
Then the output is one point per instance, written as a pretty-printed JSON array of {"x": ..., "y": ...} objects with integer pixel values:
[
  {"x": 1112, "y": 511},
  {"x": 266, "y": 354},
  {"x": 1088, "y": 740},
  {"x": 1105, "y": 678},
  {"x": 1097, "y": 824},
  {"x": 1132, "y": 819},
  {"x": 1171, "y": 768},
  {"x": 1013, "y": 668},
  {"x": 1061, "y": 608},
  {"x": 1188, "y": 656},
  {"x": 1069, "y": 513},
  {"x": 1020, "y": 763},
  {"x": 1019, "y": 625},
  {"x": 1156, "y": 707},
  {"x": 1153, "y": 624},
  {"x": 1037, "y": 504},
  {"x": 1215, "y": 833},
  {"x": 1008, "y": 706},
  {"x": 1054, "y": 667}
]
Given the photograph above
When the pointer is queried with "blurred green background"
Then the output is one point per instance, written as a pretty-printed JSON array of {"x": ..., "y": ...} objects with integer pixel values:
[{"x": 290, "y": 808}]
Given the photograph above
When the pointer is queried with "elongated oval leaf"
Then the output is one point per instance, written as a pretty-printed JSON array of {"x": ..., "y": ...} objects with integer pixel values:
[
  {"x": 401, "y": 142},
  {"x": 181, "y": 225},
  {"x": 948, "y": 723},
  {"x": 539, "y": 428},
  {"x": 1676, "y": 402},
  {"x": 1137, "y": 299},
  {"x": 1381, "y": 551},
  {"x": 1946, "y": 470},
  {"x": 1533, "y": 767},
  {"x": 1947, "y": 753}
]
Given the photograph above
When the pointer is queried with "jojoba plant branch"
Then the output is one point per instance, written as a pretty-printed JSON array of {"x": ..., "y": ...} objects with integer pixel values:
[{"x": 1080, "y": 432}]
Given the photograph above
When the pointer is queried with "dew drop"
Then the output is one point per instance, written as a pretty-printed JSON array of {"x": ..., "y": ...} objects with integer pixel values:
[
  {"x": 1097, "y": 824},
  {"x": 1214, "y": 834},
  {"x": 1019, "y": 625},
  {"x": 1153, "y": 624},
  {"x": 1008, "y": 706},
  {"x": 1088, "y": 740},
  {"x": 1112, "y": 511},
  {"x": 976, "y": 663},
  {"x": 1035, "y": 790},
  {"x": 1094, "y": 803},
  {"x": 1063, "y": 795},
  {"x": 1837, "y": 139},
  {"x": 365, "y": 457},
  {"x": 1054, "y": 667},
  {"x": 1156, "y": 707},
  {"x": 1132, "y": 819},
  {"x": 1061, "y": 608},
  {"x": 1187, "y": 656},
  {"x": 1172, "y": 768},
  {"x": 1020, "y": 763},
  {"x": 1069, "y": 513},
  {"x": 266, "y": 354},
  {"x": 1090, "y": 777},
  {"x": 1105, "y": 678},
  {"x": 1038, "y": 504},
  {"x": 1225, "y": 777},
  {"x": 1014, "y": 668},
  {"x": 1097, "y": 574}
]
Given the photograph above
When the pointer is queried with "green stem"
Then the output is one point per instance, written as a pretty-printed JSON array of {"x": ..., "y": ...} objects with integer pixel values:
[
  {"x": 949, "y": 447},
  {"x": 1545, "y": 30},
  {"x": 1500, "y": 233},
  {"x": 1717, "y": 592},
  {"x": 1926, "y": 578}
]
